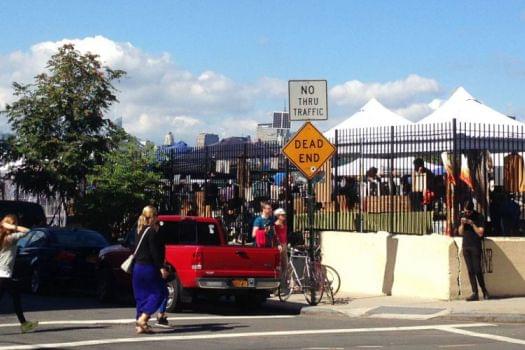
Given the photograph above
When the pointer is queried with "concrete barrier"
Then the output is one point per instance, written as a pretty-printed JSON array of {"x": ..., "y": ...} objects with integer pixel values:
[
  {"x": 504, "y": 267},
  {"x": 360, "y": 259},
  {"x": 429, "y": 266},
  {"x": 426, "y": 266}
]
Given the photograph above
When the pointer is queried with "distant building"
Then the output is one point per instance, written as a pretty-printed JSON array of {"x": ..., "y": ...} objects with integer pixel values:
[
  {"x": 234, "y": 140},
  {"x": 204, "y": 139},
  {"x": 267, "y": 133},
  {"x": 277, "y": 131},
  {"x": 281, "y": 120},
  {"x": 5, "y": 136},
  {"x": 168, "y": 139},
  {"x": 118, "y": 122}
]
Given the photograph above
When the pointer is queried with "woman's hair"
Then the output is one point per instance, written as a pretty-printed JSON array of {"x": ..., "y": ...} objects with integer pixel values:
[
  {"x": 10, "y": 219},
  {"x": 148, "y": 218}
]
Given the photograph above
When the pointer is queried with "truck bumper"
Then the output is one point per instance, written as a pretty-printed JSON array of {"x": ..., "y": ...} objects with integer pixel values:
[{"x": 238, "y": 283}]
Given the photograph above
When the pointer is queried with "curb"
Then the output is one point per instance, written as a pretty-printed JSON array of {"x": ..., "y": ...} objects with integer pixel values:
[
  {"x": 485, "y": 317},
  {"x": 468, "y": 317},
  {"x": 322, "y": 310}
]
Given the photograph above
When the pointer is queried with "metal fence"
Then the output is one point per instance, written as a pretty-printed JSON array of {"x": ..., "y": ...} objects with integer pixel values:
[{"x": 405, "y": 179}]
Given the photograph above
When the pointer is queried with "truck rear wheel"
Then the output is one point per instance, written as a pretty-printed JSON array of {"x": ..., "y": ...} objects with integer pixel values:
[{"x": 174, "y": 296}]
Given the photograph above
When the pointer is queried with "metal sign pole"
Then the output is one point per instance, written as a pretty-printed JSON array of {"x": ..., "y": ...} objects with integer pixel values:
[{"x": 310, "y": 197}]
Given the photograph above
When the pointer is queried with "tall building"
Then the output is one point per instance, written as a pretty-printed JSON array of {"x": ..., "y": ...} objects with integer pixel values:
[
  {"x": 267, "y": 133},
  {"x": 168, "y": 139},
  {"x": 204, "y": 139},
  {"x": 281, "y": 120},
  {"x": 277, "y": 131}
]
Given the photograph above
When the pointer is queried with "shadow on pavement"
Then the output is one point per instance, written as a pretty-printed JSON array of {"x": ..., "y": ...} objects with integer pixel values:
[
  {"x": 222, "y": 306},
  {"x": 45, "y": 329},
  {"x": 32, "y": 302},
  {"x": 206, "y": 327}
]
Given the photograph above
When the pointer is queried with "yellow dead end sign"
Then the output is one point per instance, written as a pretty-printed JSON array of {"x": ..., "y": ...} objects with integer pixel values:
[{"x": 308, "y": 150}]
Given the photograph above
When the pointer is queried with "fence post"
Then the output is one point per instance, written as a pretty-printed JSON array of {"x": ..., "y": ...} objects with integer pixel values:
[
  {"x": 288, "y": 197},
  {"x": 335, "y": 192},
  {"x": 457, "y": 169},
  {"x": 391, "y": 187},
  {"x": 206, "y": 185}
]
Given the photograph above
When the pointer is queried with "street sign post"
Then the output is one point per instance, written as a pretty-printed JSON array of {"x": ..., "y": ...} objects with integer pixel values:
[
  {"x": 308, "y": 99},
  {"x": 308, "y": 150}
]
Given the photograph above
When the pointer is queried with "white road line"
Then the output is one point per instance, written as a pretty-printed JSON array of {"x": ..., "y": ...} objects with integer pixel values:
[
  {"x": 132, "y": 320},
  {"x": 158, "y": 338},
  {"x": 417, "y": 317},
  {"x": 500, "y": 338},
  {"x": 457, "y": 345}
]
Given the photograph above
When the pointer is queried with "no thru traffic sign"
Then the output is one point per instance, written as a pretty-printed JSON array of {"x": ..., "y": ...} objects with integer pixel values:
[
  {"x": 308, "y": 150},
  {"x": 308, "y": 99}
]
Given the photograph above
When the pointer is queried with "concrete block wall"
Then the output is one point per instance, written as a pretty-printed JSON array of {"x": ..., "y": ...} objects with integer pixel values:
[
  {"x": 360, "y": 258},
  {"x": 429, "y": 266},
  {"x": 425, "y": 266}
]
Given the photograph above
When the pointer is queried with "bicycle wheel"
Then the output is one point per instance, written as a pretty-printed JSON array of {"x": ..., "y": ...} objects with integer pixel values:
[
  {"x": 333, "y": 277},
  {"x": 286, "y": 288},
  {"x": 314, "y": 283},
  {"x": 329, "y": 292}
]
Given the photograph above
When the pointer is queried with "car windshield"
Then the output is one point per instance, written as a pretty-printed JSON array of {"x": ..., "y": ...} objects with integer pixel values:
[{"x": 79, "y": 238}]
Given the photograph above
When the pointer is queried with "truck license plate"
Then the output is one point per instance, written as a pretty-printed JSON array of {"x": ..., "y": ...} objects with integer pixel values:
[{"x": 243, "y": 283}]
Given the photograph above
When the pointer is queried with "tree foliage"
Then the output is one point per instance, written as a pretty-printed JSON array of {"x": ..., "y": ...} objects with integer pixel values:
[
  {"x": 58, "y": 121},
  {"x": 120, "y": 188}
]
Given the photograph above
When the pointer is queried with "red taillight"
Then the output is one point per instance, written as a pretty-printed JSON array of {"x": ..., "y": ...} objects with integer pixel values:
[
  {"x": 65, "y": 256},
  {"x": 196, "y": 263}
]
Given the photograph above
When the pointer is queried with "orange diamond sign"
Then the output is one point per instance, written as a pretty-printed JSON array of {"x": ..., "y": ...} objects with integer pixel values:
[{"x": 308, "y": 150}]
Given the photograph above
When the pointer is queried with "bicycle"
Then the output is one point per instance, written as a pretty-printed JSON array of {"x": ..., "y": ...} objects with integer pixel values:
[{"x": 315, "y": 280}]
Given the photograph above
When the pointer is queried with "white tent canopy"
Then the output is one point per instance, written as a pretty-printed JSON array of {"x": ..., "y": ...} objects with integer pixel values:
[
  {"x": 402, "y": 165},
  {"x": 372, "y": 114},
  {"x": 463, "y": 107}
]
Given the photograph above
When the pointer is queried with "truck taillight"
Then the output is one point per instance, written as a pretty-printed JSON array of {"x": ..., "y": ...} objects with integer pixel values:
[
  {"x": 196, "y": 263},
  {"x": 278, "y": 263}
]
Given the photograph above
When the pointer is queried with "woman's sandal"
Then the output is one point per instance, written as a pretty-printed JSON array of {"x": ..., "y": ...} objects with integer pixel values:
[{"x": 143, "y": 328}]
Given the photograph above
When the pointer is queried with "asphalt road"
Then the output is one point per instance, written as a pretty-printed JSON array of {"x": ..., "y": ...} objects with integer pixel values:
[{"x": 81, "y": 323}]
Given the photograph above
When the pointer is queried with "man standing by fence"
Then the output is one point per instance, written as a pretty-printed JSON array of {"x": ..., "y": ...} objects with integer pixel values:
[
  {"x": 263, "y": 230},
  {"x": 472, "y": 229}
]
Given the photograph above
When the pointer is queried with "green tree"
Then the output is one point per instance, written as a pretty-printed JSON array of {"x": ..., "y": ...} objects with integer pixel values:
[
  {"x": 120, "y": 188},
  {"x": 58, "y": 121}
]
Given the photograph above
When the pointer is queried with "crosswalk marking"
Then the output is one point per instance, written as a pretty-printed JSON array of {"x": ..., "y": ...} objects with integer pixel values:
[{"x": 164, "y": 338}]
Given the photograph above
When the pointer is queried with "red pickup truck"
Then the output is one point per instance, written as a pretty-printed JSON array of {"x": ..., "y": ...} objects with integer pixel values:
[{"x": 198, "y": 253}]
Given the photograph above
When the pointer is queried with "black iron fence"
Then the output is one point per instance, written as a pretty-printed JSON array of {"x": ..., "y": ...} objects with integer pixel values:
[{"x": 408, "y": 179}]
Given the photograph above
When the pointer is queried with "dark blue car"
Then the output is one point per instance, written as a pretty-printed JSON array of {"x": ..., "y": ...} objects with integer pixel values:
[{"x": 58, "y": 258}]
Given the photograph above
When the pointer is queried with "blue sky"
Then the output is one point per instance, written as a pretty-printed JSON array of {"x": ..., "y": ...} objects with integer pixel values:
[{"x": 477, "y": 44}]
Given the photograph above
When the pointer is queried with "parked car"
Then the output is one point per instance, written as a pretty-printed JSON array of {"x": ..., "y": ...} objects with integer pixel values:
[
  {"x": 50, "y": 258},
  {"x": 202, "y": 261},
  {"x": 29, "y": 214}
]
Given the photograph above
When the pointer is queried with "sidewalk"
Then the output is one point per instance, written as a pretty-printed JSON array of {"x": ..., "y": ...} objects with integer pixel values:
[{"x": 498, "y": 310}]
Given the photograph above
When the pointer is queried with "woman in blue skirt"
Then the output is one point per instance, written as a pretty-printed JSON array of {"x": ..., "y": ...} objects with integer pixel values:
[{"x": 149, "y": 273}]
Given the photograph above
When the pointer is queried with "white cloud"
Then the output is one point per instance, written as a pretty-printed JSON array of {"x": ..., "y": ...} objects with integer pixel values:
[
  {"x": 398, "y": 93},
  {"x": 417, "y": 111},
  {"x": 158, "y": 95}
]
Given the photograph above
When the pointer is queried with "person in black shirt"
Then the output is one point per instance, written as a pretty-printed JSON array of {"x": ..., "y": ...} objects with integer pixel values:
[
  {"x": 472, "y": 229},
  {"x": 149, "y": 272}
]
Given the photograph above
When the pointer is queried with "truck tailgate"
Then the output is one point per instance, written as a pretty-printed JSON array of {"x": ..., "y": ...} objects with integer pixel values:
[{"x": 238, "y": 261}]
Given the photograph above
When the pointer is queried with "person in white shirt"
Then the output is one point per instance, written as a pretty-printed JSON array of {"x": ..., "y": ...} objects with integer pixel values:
[{"x": 10, "y": 233}]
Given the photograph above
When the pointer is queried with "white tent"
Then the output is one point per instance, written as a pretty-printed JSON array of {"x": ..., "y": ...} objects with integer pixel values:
[
  {"x": 372, "y": 114},
  {"x": 463, "y": 107},
  {"x": 402, "y": 166}
]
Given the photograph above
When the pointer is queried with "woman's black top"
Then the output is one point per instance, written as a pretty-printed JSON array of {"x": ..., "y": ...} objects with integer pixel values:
[{"x": 151, "y": 250}]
